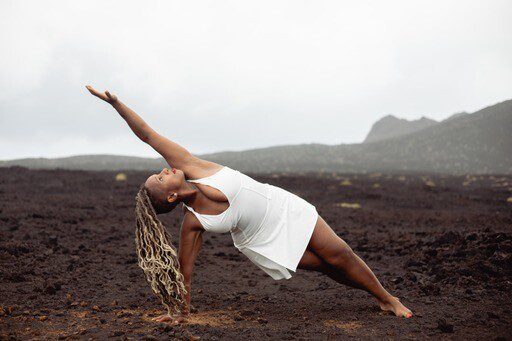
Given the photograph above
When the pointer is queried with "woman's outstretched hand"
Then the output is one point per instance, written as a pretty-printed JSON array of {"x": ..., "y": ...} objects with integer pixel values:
[{"x": 106, "y": 96}]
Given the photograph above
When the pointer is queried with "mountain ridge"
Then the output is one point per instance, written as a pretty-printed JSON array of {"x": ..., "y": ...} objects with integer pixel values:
[
  {"x": 392, "y": 126},
  {"x": 479, "y": 142}
]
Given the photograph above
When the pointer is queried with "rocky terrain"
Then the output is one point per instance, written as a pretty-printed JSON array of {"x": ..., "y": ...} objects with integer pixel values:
[{"x": 442, "y": 244}]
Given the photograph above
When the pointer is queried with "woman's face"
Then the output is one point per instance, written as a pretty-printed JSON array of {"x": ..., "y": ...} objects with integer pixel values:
[{"x": 163, "y": 185}]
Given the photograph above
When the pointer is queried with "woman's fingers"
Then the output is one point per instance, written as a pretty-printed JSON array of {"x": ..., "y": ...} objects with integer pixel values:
[
  {"x": 163, "y": 318},
  {"x": 92, "y": 90},
  {"x": 96, "y": 93},
  {"x": 177, "y": 319}
]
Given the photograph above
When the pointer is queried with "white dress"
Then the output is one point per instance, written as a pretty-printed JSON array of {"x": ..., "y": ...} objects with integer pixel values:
[{"x": 268, "y": 224}]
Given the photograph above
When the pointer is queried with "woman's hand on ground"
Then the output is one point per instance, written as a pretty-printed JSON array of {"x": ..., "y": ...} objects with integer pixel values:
[
  {"x": 173, "y": 319},
  {"x": 106, "y": 96}
]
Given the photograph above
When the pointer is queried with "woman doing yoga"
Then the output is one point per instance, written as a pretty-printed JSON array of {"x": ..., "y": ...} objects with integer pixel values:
[{"x": 277, "y": 230}]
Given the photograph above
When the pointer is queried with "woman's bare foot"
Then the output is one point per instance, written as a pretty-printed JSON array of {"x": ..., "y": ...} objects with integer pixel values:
[{"x": 394, "y": 305}]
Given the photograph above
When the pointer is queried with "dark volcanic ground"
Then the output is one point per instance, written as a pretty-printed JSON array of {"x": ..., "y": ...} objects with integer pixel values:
[{"x": 443, "y": 244}]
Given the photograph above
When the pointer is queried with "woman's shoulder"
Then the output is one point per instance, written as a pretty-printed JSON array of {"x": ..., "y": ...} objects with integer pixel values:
[
  {"x": 200, "y": 169},
  {"x": 190, "y": 221}
]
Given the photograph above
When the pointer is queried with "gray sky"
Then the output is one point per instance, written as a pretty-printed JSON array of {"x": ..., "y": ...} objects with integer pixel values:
[{"x": 232, "y": 75}]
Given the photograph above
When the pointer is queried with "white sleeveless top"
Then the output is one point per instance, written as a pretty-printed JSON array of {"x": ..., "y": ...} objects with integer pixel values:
[{"x": 270, "y": 225}]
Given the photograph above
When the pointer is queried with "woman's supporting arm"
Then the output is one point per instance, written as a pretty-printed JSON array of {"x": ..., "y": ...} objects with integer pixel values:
[
  {"x": 173, "y": 153},
  {"x": 191, "y": 239}
]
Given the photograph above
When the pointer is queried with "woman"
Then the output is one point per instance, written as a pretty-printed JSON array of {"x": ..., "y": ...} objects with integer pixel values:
[{"x": 275, "y": 229}]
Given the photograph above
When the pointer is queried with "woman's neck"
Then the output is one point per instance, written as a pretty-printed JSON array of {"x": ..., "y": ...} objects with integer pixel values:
[{"x": 193, "y": 195}]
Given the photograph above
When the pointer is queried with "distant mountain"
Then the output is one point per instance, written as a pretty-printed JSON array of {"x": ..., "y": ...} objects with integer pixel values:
[
  {"x": 469, "y": 143},
  {"x": 456, "y": 115},
  {"x": 89, "y": 162},
  {"x": 390, "y": 126},
  {"x": 480, "y": 142}
]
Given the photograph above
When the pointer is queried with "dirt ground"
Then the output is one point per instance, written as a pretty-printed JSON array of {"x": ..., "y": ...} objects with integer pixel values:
[{"x": 443, "y": 244}]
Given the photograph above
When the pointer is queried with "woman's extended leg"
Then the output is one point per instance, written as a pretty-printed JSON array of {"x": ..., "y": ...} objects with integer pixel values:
[{"x": 337, "y": 260}]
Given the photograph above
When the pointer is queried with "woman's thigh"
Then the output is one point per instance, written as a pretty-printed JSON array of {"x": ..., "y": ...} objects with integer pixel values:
[
  {"x": 311, "y": 261},
  {"x": 325, "y": 243}
]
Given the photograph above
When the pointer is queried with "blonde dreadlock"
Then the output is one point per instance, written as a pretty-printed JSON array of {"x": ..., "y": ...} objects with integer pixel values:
[{"x": 157, "y": 255}]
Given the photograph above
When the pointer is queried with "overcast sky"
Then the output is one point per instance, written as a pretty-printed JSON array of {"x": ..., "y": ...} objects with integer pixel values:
[{"x": 232, "y": 75}]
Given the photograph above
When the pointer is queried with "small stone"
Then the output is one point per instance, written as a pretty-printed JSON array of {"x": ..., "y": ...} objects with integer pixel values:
[
  {"x": 262, "y": 320},
  {"x": 84, "y": 304},
  {"x": 52, "y": 241},
  {"x": 123, "y": 314},
  {"x": 116, "y": 333},
  {"x": 246, "y": 313},
  {"x": 492, "y": 315},
  {"x": 52, "y": 288},
  {"x": 397, "y": 280},
  {"x": 444, "y": 326},
  {"x": 167, "y": 328}
]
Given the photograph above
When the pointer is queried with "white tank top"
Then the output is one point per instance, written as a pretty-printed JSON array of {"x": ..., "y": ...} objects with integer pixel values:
[
  {"x": 248, "y": 204},
  {"x": 270, "y": 225}
]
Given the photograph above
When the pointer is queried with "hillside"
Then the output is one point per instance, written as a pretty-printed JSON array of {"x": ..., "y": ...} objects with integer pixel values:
[
  {"x": 477, "y": 143},
  {"x": 89, "y": 162},
  {"x": 469, "y": 143},
  {"x": 480, "y": 142}
]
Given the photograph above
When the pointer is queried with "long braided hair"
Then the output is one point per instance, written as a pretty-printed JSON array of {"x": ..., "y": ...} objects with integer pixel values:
[{"x": 157, "y": 256}]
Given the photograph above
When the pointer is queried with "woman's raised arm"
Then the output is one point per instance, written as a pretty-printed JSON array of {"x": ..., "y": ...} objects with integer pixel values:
[{"x": 173, "y": 153}]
